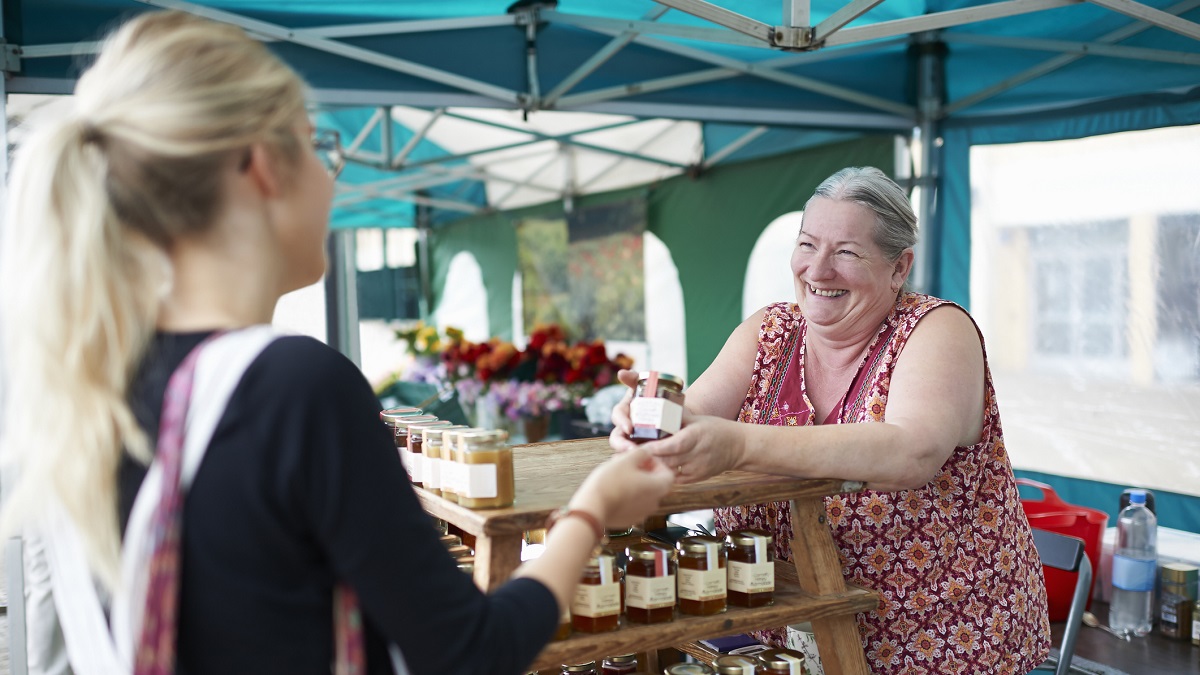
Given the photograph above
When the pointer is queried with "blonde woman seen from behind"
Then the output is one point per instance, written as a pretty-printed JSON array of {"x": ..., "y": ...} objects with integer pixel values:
[{"x": 181, "y": 199}]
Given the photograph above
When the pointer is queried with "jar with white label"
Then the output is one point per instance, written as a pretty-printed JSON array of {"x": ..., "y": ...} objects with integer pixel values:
[
  {"x": 687, "y": 669},
  {"x": 656, "y": 410},
  {"x": 416, "y": 448},
  {"x": 452, "y": 467},
  {"x": 596, "y": 605},
  {"x": 650, "y": 583},
  {"x": 781, "y": 662},
  {"x": 390, "y": 416},
  {"x": 431, "y": 444},
  {"x": 751, "y": 568},
  {"x": 401, "y": 437},
  {"x": 486, "y": 478},
  {"x": 702, "y": 575}
]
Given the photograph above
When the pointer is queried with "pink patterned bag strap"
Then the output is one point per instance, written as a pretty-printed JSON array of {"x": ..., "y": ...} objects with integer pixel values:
[{"x": 155, "y": 653}]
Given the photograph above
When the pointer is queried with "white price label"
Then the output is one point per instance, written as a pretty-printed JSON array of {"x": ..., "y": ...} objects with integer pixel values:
[
  {"x": 657, "y": 413},
  {"x": 650, "y": 592},
  {"x": 480, "y": 481},
  {"x": 751, "y": 577},
  {"x": 701, "y": 586},
  {"x": 432, "y": 476},
  {"x": 416, "y": 466}
]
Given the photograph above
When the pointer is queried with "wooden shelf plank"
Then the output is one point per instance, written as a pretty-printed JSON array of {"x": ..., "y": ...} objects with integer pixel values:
[
  {"x": 791, "y": 606},
  {"x": 547, "y": 475}
]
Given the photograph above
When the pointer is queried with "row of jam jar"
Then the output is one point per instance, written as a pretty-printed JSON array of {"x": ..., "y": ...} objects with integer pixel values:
[
  {"x": 469, "y": 466},
  {"x": 705, "y": 576},
  {"x": 767, "y": 662}
]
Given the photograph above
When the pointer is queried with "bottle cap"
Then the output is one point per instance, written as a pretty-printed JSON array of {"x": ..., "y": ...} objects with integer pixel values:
[
  {"x": 1180, "y": 573},
  {"x": 1137, "y": 497}
]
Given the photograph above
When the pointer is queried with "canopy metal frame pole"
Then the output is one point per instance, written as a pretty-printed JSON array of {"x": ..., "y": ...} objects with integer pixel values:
[
  {"x": 733, "y": 146},
  {"x": 1080, "y": 48},
  {"x": 1053, "y": 64},
  {"x": 1150, "y": 15},
  {"x": 306, "y": 39},
  {"x": 419, "y": 136},
  {"x": 341, "y": 295},
  {"x": 596, "y": 60},
  {"x": 930, "y": 87}
]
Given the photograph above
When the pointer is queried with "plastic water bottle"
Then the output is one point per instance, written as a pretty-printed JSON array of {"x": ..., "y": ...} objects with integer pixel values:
[{"x": 1134, "y": 566}]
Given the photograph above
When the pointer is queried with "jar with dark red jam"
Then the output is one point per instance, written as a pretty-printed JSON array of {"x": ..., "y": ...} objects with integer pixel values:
[
  {"x": 751, "y": 568},
  {"x": 650, "y": 583},
  {"x": 416, "y": 448},
  {"x": 389, "y": 418},
  {"x": 781, "y": 662},
  {"x": 400, "y": 436},
  {"x": 656, "y": 410},
  {"x": 596, "y": 606},
  {"x": 702, "y": 575},
  {"x": 619, "y": 665}
]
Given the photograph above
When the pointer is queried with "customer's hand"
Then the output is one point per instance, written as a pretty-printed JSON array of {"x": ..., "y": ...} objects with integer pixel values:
[
  {"x": 704, "y": 447},
  {"x": 625, "y": 489},
  {"x": 622, "y": 424}
]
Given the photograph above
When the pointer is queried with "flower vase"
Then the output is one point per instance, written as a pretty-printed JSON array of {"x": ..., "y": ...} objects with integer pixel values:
[{"x": 535, "y": 427}]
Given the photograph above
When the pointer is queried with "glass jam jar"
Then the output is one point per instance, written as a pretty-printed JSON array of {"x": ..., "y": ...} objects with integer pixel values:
[
  {"x": 451, "y": 540},
  {"x": 596, "y": 606},
  {"x": 588, "y": 668},
  {"x": 781, "y": 662},
  {"x": 452, "y": 467},
  {"x": 650, "y": 583},
  {"x": 751, "y": 568},
  {"x": 657, "y": 406},
  {"x": 564, "y": 627},
  {"x": 735, "y": 664},
  {"x": 416, "y": 445},
  {"x": 400, "y": 435},
  {"x": 390, "y": 416},
  {"x": 431, "y": 444},
  {"x": 487, "y": 469},
  {"x": 619, "y": 665},
  {"x": 702, "y": 575}
]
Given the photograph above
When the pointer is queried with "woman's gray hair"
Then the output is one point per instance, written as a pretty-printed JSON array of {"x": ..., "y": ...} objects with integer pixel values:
[{"x": 895, "y": 222}]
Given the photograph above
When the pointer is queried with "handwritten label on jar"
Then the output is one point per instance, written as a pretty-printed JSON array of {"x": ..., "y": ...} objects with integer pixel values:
[
  {"x": 702, "y": 586},
  {"x": 596, "y": 601},
  {"x": 751, "y": 577},
  {"x": 650, "y": 592},
  {"x": 479, "y": 481},
  {"x": 656, "y": 413}
]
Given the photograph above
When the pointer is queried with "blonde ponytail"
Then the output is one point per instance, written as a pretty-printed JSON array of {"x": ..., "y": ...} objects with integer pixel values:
[{"x": 171, "y": 103}]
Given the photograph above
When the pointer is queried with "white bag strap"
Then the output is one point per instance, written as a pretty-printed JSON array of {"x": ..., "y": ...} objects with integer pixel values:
[{"x": 93, "y": 649}]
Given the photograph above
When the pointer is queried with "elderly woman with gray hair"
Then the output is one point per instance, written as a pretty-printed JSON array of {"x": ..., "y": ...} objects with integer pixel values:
[{"x": 861, "y": 379}]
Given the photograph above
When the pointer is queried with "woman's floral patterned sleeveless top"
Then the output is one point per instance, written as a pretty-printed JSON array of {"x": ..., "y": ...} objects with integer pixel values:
[{"x": 954, "y": 561}]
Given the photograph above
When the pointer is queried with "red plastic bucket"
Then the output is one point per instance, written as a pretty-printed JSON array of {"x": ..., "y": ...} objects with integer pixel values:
[{"x": 1053, "y": 514}]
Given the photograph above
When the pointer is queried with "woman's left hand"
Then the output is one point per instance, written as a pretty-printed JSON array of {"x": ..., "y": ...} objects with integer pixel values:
[{"x": 704, "y": 447}]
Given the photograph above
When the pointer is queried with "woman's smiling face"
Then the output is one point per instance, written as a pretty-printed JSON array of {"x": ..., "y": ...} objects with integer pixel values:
[{"x": 841, "y": 275}]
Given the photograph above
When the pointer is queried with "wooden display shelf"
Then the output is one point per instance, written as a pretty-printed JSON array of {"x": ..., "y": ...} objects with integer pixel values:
[
  {"x": 790, "y": 602},
  {"x": 547, "y": 475}
]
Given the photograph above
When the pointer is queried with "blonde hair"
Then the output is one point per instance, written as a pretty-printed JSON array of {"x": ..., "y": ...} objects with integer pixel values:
[{"x": 170, "y": 106}]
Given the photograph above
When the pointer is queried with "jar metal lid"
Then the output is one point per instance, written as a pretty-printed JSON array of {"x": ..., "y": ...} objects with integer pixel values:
[
  {"x": 406, "y": 422},
  {"x": 418, "y": 430},
  {"x": 622, "y": 658},
  {"x": 390, "y": 415},
  {"x": 735, "y": 664},
  {"x": 663, "y": 378},
  {"x": 459, "y": 550},
  {"x": 649, "y": 551},
  {"x": 1180, "y": 573},
  {"x": 468, "y": 440},
  {"x": 780, "y": 660},
  {"x": 688, "y": 669},
  {"x": 747, "y": 537},
  {"x": 451, "y": 539},
  {"x": 700, "y": 544},
  {"x": 579, "y": 667},
  {"x": 437, "y": 435},
  {"x": 600, "y": 553}
]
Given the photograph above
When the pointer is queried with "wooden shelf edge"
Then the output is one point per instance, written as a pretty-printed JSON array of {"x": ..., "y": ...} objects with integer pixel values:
[{"x": 791, "y": 606}]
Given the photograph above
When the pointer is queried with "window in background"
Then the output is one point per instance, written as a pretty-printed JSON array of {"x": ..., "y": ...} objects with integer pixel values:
[{"x": 1086, "y": 285}]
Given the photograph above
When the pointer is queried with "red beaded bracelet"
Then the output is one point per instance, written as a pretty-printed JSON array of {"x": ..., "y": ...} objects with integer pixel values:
[{"x": 586, "y": 517}]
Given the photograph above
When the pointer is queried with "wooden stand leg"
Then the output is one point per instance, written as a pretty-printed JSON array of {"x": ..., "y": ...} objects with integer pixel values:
[
  {"x": 820, "y": 573},
  {"x": 495, "y": 559}
]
